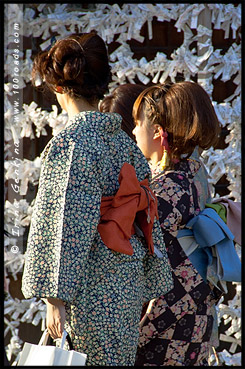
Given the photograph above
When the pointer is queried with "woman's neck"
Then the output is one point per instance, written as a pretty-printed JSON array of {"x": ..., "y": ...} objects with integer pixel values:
[
  {"x": 156, "y": 157},
  {"x": 74, "y": 107}
]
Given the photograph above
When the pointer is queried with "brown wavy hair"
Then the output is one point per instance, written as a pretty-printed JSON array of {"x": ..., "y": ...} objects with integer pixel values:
[
  {"x": 185, "y": 111},
  {"x": 78, "y": 63},
  {"x": 121, "y": 101}
]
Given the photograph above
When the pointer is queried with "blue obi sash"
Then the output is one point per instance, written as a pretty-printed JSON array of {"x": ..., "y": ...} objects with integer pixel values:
[{"x": 207, "y": 241}]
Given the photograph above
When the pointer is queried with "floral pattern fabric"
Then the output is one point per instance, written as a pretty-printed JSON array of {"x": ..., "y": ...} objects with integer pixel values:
[
  {"x": 103, "y": 290},
  {"x": 177, "y": 327}
]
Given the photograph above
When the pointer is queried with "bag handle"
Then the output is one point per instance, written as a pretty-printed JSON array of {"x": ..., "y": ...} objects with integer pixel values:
[
  {"x": 65, "y": 336},
  {"x": 44, "y": 338}
]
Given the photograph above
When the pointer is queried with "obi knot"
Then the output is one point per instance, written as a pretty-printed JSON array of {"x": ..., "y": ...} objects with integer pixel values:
[
  {"x": 133, "y": 202},
  {"x": 208, "y": 241}
]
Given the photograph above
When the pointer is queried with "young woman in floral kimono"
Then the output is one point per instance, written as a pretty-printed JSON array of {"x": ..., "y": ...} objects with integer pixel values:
[
  {"x": 155, "y": 347},
  {"x": 94, "y": 245},
  {"x": 172, "y": 122}
]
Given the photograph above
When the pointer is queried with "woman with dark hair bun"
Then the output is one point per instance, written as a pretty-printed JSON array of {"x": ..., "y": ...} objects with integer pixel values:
[{"x": 94, "y": 245}]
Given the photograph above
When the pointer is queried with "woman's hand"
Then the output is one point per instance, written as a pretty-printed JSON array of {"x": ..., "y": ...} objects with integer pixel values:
[{"x": 55, "y": 317}]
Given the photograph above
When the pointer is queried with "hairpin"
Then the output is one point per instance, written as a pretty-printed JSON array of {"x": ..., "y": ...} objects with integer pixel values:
[
  {"x": 52, "y": 42},
  {"x": 73, "y": 39}
]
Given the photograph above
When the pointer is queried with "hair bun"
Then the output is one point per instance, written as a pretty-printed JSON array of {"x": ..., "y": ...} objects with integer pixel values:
[
  {"x": 73, "y": 67},
  {"x": 79, "y": 63}
]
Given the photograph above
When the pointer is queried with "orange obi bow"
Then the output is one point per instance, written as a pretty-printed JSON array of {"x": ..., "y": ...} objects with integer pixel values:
[{"x": 134, "y": 201}]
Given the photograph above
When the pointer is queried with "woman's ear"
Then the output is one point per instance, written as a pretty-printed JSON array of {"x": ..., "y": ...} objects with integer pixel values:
[
  {"x": 157, "y": 133},
  {"x": 59, "y": 89}
]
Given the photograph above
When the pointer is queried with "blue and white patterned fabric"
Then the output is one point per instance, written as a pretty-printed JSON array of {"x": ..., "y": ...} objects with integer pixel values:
[{"x": 103, "y": 290}]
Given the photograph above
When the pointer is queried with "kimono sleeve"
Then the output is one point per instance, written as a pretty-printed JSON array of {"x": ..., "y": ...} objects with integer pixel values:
[{"x": 64, "y": 222}]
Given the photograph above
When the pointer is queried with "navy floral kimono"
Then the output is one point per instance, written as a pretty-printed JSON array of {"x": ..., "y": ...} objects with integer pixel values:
[
  {"x": 103, "y": 290},
  {"x": 176, "y": 329}
]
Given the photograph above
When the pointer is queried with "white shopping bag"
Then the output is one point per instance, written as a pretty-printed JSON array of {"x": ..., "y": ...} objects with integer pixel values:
[{"x": 40, "y": 355}]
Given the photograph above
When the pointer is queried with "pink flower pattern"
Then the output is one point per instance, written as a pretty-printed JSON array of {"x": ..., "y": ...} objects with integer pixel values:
[{"x": 180, "y": 322}]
